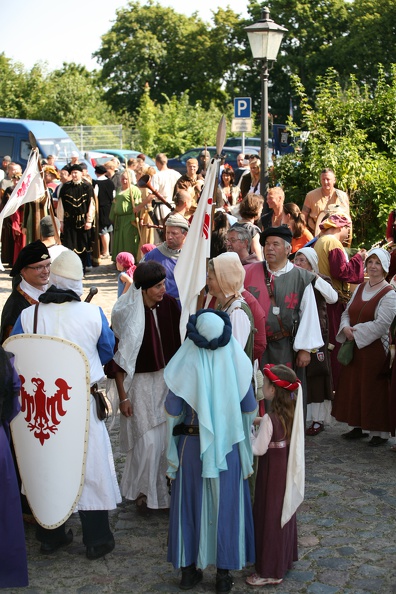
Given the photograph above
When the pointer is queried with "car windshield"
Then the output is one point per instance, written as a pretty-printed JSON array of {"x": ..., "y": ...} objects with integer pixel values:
[{"x": 60, "y": 148}]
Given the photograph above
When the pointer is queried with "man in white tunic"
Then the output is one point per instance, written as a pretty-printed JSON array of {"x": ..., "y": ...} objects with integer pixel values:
[{"x": 62, "y": 314}]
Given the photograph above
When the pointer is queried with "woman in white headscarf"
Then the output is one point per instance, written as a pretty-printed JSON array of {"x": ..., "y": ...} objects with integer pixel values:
[
  {"x": 362, "y": 398},
  {"x": 210, "y": 408}
]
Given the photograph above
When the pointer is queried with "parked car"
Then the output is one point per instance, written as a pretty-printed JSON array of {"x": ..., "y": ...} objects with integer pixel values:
[
  {"x": 123, "y": 155},
  {"x": 252, "y": 141},
  {"x": 51, "y": 140},
  {"x": 97, "y": 158},
  {"x": 229, "y": 154},
  {"x": 252, "y": 150}
]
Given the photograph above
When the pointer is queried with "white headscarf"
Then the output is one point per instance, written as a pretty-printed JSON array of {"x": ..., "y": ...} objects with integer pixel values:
[
  {"x": 382, "y": 255},
  {"x": 311, "y": 256}
]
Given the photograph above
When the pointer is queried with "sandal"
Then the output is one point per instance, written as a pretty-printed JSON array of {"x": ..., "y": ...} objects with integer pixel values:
[
  {"x": 256, "y": 580},
  {"x": 393, "y": 448},
  {"x": 141, "y": 505}
]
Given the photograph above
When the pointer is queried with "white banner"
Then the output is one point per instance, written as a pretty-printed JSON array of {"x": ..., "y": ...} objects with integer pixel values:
[
  {"x": 190, "y": 270},
  {"x": 29, "y": 188}
]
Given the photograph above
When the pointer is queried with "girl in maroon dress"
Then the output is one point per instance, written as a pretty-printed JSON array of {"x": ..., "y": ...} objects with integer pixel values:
[{"x": 280, "y": 478}]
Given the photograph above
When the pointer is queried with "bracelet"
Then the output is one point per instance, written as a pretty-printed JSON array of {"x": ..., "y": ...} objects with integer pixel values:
[{"x": 125, "y": 400}]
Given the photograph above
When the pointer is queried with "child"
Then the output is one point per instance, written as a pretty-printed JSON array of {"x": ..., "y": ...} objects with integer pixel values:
[
  {"x": 280, "y": 478},
  {"x": 125, "y": 263}
]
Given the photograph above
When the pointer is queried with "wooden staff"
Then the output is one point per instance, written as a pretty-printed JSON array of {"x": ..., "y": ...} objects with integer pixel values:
[
  {"x": 92, "y": 292},
  {"x": 137, "y": 220}
]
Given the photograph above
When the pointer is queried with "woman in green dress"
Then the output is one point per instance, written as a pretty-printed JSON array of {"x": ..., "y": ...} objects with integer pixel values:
[{"x": 123, "y": 216}]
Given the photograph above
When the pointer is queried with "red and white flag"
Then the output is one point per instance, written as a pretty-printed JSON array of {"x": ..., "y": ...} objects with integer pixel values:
[
  {"x": 190, "y": 270},
  {"x": 29, "y": 188}
]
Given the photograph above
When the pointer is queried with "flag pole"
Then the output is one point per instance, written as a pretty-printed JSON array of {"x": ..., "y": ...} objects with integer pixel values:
[
  {"x": 191, "y": 267},
  {"x": 220, "y": 141},
  {"x": 33, "y": 142}
]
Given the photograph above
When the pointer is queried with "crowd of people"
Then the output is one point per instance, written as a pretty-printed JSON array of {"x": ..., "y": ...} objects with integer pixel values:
[{"x": 294, "y": 329}]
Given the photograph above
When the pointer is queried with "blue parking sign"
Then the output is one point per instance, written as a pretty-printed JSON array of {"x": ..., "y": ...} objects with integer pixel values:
[{"x": 243, "y": 107}]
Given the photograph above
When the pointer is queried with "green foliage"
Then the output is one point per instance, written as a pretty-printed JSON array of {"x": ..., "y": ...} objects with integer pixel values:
[
  {"x": 69, "y": 96},
  {"x": 339, "y": 138},
  {"x": 172, "y": 53},
  {"x": 173, "y": 126},
  {"x": 370, "y": 41},
  {"x": 313, "y": 27}
]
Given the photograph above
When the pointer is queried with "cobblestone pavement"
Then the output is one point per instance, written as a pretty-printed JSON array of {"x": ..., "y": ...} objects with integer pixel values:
[{"x": 347, "y": 523}]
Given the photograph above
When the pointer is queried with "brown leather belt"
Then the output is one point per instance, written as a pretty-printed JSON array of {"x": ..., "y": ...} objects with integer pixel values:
[{"x": 277, "y": 336}]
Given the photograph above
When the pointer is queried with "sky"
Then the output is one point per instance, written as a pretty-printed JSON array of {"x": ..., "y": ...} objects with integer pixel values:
[{"x": 55, "y": 32}]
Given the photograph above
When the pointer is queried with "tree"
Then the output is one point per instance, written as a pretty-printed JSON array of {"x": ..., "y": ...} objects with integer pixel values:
[
  {"x": 313, "y": 27},
  {"x": 339, "y": 138},
  {"x": 69, "y": 96},
  {"x": 74, "y": 97},
  {"x": 370, "y": 41},
  {"x": 154, "y": 45},
  {"x": 173, "y": 126},
  {"x": 173, "y": 54},
  {"x": 19, "y": 90}
]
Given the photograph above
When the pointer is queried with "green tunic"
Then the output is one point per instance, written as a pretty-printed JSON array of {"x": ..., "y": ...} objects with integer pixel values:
[{"x": 126, "y": 235}]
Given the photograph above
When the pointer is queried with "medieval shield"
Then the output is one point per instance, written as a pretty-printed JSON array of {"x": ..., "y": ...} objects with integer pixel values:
[{"x": 50, "y": 433}]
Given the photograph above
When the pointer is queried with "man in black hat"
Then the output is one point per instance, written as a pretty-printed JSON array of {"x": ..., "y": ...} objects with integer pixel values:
[
  {"x": 76, "y": 213},
  {"x": 285, "y": 292},
  {"x": 31, "y": 273},
  {"x": 105, "y": 191}
]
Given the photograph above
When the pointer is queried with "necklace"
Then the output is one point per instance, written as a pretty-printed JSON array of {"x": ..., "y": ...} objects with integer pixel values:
[
  {"x": 276, "y": 220},
  {"x": 227, "y": 303},
  {"x": 376, "y": 283}
]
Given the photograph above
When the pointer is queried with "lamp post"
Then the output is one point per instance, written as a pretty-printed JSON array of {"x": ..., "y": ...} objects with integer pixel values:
[{"x": 265, "y": 38}]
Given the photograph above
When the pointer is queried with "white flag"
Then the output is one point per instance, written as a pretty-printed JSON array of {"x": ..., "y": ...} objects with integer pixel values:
[
  {"x": 190, "y": 269},
  {"x": 29, "y": 188}
]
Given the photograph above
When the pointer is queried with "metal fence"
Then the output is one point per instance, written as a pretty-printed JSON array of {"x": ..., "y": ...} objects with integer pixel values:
[{"x": 90, "y": 138}]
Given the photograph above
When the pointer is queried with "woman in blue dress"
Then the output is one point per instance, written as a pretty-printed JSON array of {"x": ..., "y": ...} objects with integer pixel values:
[
  {"x": 13, "y": 562},
  {"x": 210, "y": 408}
]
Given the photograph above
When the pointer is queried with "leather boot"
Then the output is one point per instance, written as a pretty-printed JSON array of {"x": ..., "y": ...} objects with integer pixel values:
[{"x": 191, "y": 576}]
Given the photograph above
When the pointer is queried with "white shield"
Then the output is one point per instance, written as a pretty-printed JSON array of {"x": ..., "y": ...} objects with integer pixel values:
[{"x": 50, "y": 433}]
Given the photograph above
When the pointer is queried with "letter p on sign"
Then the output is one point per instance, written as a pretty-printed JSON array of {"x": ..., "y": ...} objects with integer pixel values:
[{"x": 242, "y": 107}]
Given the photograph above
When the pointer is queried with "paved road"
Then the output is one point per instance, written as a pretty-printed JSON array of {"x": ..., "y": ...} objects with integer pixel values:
[{"x": 347, "y": 523}]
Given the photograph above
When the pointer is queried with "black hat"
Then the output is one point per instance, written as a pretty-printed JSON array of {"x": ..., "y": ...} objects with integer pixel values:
[
  {"x": 75, "y": 167},
  {"x": 282, "y": 231},
  {"x": 66, "y": 168},
  {"x": 31, "y": 254},
  {"x": 100, "y": 170}
]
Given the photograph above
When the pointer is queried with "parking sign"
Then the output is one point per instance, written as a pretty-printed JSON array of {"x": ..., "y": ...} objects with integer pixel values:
[{"x": 242, "y": 107}]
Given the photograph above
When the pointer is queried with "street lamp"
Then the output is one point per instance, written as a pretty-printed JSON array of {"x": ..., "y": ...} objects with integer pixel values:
[{"x": 265, "y": 38}]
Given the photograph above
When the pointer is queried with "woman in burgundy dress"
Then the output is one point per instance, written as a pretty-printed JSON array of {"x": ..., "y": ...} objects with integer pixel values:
[{"x": 362, "y": 397}]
